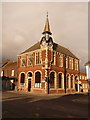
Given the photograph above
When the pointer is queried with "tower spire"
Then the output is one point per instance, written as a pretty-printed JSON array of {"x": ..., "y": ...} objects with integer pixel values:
[
  {"x": 47, "y": 14},
  {"x": 47, "y": 26}
]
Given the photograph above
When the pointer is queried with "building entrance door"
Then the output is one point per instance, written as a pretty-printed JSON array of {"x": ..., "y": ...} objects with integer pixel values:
[{"x": 29, "y": 84}]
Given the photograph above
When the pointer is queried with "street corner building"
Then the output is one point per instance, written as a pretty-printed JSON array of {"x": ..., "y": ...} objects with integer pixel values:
[{"x": 47, "y": 67}]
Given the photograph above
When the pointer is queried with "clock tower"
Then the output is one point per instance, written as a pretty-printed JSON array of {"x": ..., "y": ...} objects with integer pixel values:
[{"x": 46, "y": 39}]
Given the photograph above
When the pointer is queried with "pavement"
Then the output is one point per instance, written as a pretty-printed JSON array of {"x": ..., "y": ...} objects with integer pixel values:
[{"x": 32, "y": 105}]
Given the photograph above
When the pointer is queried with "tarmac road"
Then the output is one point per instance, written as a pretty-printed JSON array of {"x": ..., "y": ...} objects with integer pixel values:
[{"x": 28, "y": 105}]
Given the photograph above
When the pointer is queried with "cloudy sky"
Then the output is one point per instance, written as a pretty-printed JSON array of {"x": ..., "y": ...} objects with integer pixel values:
[{"x": 23, "y": 23}]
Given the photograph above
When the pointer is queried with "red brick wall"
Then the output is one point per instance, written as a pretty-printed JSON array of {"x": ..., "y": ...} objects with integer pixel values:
[{"x": 43, "y": 55}]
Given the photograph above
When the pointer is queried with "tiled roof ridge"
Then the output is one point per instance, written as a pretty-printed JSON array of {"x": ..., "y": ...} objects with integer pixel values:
[
  {"x": 30, "y": 47},
  {"x": 56, "y": 47},
  {"x": 9, "y": 63},
  {"x": 66, "y": 49},
  {"x": 87, "y": 63}
]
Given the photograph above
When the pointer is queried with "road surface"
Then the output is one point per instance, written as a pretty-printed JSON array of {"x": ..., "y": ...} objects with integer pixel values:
[{"x": 28, "y": 105}]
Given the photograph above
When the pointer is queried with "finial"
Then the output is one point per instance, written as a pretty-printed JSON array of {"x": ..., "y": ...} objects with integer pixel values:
[{"x": 47, "y": 14}]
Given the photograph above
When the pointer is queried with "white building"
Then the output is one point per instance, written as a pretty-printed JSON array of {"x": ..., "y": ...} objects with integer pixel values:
[{"x": 88, "y": 69}]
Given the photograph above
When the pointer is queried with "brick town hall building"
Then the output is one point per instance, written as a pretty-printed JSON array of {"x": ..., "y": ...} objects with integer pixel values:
[{"x": 47, "y": 67}]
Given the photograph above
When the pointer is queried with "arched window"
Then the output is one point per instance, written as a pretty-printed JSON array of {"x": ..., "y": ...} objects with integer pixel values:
[
  {"x": 52, "y": 79},
  {"x": 60, "y": 80},
  {"x": 67, "y": 81},
  {"x": 37, "y": 77},
  {"x": 22, "y": 77},
  {"x": 76, "y": 77},
  {"x": 29, "y": 74},
  {"x": 72, "y": 81},
  {"x": 76, "y": 83},
  {"x": 37, "y": 80}
]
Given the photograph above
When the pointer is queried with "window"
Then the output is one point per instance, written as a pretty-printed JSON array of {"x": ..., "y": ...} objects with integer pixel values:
[
  {"x": 38, "y": 61},
  {"x": 37, "y": 80},
  {"x": 60, "y": 80},
  {"x": 12, "y": 73},
  {"x": 67, "y": 81},
  {"x": 76, "y": 64},
  {"x": 2, "y": 73},
  {"x": 60, "y": 60},
  {"x": 76, "y": 77},
  {"x": 30, "y": 60},
  {"x": 22, "y": 80},
  {"x": 80, "y": 77},
  {"x": 23, "y": 62},
  {"x": 85, "y": 85},
  {"x": 72, "y": 81},
  {"x": 66, "y": 62},
  {"x": 52, "y": 79},
  {"x": 70, "y": 63},
  {"x": 29, "y": 74}
]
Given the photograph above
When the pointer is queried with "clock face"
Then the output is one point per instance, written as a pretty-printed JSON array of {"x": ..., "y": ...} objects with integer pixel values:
[
  {"x": 44, "y": 43},
  {"x": 50, "y": 43}
]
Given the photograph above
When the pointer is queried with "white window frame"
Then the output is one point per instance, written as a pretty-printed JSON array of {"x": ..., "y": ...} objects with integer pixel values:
[
  {"x": 13, "y": 73},
  {"x": 60, "y": 60},
  {"x": 39, "y": 62},
  {"x": 2, "y": 73},
  {"x": 66, "y": 62}
]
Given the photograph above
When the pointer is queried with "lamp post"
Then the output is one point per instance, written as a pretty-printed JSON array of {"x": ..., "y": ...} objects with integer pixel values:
[
  {"x": 65, "y": 73},
  {"x": 47, "y": 81}
]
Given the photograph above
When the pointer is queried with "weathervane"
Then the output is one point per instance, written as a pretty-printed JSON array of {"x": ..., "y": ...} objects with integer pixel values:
[{"x": 47, "y": 14}]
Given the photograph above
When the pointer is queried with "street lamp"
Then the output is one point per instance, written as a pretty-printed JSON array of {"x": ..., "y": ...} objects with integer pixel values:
[
  {"x": 65, "y": 73},
  {"x": 47, "y": 80}
]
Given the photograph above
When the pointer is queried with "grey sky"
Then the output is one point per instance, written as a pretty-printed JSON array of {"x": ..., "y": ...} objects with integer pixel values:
[{"x": 23, "y": 24}]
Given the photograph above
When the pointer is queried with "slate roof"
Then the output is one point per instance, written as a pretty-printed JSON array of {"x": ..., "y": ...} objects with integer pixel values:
[
  {"x": 10, "y": 64},
  {"x": 56, "y": 47},
  {"x": 88, "y": 63}
]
